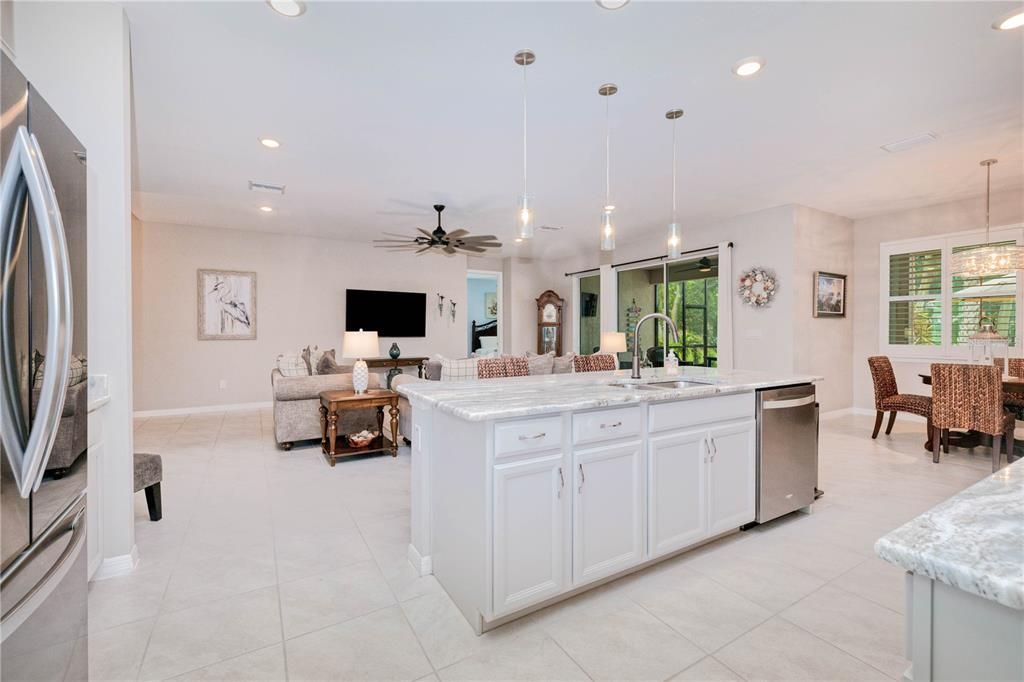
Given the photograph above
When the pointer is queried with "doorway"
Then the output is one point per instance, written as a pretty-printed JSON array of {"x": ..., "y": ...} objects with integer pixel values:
[{"x": 483, "y": 312}]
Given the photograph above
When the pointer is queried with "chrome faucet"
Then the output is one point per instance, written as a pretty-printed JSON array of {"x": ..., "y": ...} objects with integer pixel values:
[{"x": 636, "y": 339}]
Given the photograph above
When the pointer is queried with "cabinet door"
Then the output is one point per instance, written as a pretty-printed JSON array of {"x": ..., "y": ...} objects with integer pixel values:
[
  {"x": 530, "y": 512},
  {"x": 676, "y": 485},
  {"x": 731, "y": 477},
  {"x": 608, "y": 514}
]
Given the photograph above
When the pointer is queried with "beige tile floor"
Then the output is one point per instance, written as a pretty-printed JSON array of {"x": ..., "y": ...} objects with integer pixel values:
[{"x": 271, "y": 565}]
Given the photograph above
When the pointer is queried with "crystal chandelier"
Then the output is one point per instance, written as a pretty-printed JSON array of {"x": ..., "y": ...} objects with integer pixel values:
[
  {"x": 989, "y": 259},
  {"x": 675, "y": 230},
  {"x": 607, "y": 217},
  {"x": 524, "y": 212}
]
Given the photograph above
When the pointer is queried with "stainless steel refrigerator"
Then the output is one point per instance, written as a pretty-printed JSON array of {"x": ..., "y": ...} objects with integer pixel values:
[{"x": 43, "y": 567}]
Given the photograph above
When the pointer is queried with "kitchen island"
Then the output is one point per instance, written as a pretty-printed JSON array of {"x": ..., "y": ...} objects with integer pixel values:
[
  {"x": 965, "y": 582},
  {"x": 531, "y": 489}
]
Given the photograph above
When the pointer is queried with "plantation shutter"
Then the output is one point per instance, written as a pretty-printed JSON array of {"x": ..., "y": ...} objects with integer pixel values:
[
  {"x": 976, "y": 297},
  {"x": 915, "y": 298}
]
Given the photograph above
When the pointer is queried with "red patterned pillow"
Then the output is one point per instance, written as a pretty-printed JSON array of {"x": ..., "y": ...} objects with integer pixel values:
[
  {"x": 490, "y": 368},
  {"x": 517, "y": 367},
  {"x": 603, "y": 362}
]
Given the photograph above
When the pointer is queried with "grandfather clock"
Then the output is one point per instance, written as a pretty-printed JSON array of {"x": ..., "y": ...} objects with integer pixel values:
[{"x": 549, "y": 323}]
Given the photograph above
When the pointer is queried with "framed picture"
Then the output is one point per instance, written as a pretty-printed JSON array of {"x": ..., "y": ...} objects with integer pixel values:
[
  {"x": 829, "y": 294},
  {"x": 227, "y": 305},
  {"x": 491, "y": 305}
]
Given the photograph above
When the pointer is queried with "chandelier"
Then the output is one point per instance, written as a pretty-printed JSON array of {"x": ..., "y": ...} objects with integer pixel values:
[{"x": 989, "y": 259}]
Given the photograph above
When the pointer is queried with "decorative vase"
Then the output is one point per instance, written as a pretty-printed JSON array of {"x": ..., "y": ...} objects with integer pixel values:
[{"x": 395, "y": 351}]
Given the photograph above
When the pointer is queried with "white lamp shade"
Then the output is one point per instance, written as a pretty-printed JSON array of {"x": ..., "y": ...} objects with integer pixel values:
[
  {"x": 360, "y": 345},
  {"x": 613, "y": 342}
]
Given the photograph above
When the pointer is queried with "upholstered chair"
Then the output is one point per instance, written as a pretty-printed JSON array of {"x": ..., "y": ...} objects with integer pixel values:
[
  {"x": 598, "y": 362},
  {"x": 970, "y": 397},
  {"x": 1014, "y": 402},
  {"x": 889, "y": 399}
]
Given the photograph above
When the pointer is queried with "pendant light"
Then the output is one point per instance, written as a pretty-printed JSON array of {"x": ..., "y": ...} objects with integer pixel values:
[
  {"x": 675, "y": 230},
  {"x": 989, "y": 259},
  {"x": 524, "y": 213},
  {"x": 607, "y": 220}
]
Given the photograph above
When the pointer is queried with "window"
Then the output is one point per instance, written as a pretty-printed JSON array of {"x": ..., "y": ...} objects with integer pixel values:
[
  {"x": 927, "y": 311},
  {"x": 690, "y": 299}
]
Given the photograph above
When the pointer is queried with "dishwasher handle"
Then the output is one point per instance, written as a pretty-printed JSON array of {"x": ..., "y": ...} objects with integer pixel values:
[{"x": 786, "y": 404}]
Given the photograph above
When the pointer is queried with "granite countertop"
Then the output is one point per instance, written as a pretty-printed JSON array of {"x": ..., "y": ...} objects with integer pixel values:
[
  {"x": 525, "y": 396},
  {"x": 973, "y": 541},
  {"x": 99, "y": 391}
]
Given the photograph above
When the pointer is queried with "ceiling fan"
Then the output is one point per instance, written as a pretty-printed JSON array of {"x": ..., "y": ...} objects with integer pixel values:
[{"x": 447, "y": 242}]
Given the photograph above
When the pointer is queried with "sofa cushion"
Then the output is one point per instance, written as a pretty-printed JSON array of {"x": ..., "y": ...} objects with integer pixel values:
[
  {"x": 563, "y": 363},
  {"x": 307, "y": 388},
  {"x": 458, "y": 370},
  {"x": 78, "y": 368},
  {"x": 329, "y": 365},
  {"x": 540, "y": 364},
  {"x": 292, "y": 365}
]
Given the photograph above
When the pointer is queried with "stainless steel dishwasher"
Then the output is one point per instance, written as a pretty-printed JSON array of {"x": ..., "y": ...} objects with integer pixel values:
[{"x": 787, "y": 450}]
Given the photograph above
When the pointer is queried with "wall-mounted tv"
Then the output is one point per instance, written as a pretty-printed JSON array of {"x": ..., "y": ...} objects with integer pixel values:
[{"x": 389, "y": 313}]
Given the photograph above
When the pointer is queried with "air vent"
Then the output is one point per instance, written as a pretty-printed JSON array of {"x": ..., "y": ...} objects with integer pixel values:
[
  {"x": 550, "y": 228},
  {"x": 265, "y": 187},
  {"x": 909, "y": 143}
]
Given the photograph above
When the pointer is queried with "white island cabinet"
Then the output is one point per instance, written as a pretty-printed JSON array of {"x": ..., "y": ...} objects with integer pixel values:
[{"x": 526, "y": 498}]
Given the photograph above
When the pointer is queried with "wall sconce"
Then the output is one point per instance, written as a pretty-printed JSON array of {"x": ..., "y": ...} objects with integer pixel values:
[
  {"x": 453, "y": 310},
  {"x": 440, "y": 305}
]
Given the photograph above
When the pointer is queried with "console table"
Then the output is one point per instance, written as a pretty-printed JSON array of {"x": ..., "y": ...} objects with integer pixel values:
[{"x": 395, "y": 365}]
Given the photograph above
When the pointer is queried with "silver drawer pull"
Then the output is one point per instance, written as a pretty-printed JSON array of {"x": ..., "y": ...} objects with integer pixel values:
[
  {"x": 539, "y": 435},
  {"x": 611, "y": 426}
]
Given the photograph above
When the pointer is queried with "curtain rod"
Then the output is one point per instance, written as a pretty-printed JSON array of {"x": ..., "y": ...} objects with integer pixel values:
[{"x": 644, "y": 260}]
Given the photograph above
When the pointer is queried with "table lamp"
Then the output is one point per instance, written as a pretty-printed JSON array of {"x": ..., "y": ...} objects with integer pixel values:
[
  {"x": 360, "y": 345},
  {"x": 613, "y": 342}
]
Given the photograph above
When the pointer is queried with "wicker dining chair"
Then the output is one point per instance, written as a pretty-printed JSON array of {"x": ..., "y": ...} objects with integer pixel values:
[
  {"x": 889, "y": 399},
  {"x": 970, "y": 397},
  {"x": 1014, "y": 402}
]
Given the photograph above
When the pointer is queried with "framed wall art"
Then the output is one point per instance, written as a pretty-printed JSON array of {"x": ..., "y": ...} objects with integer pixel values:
[
  {"x": 227, "y": 305},
  {"x": 829, "y": 294}
]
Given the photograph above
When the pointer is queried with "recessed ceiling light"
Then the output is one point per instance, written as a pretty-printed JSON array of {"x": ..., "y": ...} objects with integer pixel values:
[
  {"x": 1008, "y": 22},
  {"x": 267, "y": 209},
  {"x": 269, "y": 142},
  {"x": 745, "y": 68},
  {"x": 612, "y": 4},
  {"x": 288, "y": 8}
]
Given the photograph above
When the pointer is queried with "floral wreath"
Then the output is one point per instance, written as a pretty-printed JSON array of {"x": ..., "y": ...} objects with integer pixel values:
[{"x": 757, "y": 287}]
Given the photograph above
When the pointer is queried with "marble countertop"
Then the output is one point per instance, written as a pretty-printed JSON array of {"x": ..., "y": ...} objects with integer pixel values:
[
  {"x": 524, "y": 396},
  {"x": 99, "y": 391},
  {"x": 973, "y": 541}
]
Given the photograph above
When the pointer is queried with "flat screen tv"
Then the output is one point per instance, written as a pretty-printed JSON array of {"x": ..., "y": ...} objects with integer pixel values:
[{"x": 389, "y": 313}]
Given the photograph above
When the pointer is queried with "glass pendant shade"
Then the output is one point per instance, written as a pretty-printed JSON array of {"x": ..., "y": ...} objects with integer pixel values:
[
  {"x": 524, "y": 217},
  {"x": 608, "y": 229},
  {"x": 991, "y": 259},
  {"x": 675, "y": 240}
]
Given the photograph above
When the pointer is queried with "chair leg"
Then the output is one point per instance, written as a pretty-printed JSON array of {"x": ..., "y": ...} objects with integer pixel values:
[
  {"x": 153, "y": 502},
  {"x": 997, "y": 452},
  {"x": 945, "y": 441},
  {"x": 878, "y": 423},
  {"x": 936, "y": 443},
  {"x": 892, "y": 420}
]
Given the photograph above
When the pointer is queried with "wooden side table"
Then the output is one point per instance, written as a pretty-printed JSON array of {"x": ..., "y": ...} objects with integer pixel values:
[{"x": 331, "y": 402}]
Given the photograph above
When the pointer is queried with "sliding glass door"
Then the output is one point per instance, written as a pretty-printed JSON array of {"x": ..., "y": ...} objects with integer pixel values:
[{"x": 685, "y": 290}]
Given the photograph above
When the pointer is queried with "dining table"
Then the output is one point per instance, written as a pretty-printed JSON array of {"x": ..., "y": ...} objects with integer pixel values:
[{"x": 971, "y": 439}]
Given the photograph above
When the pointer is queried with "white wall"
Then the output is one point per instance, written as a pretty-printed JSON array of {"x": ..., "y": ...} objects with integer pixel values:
[
  {"x": 77, "y": 56},
  {"x": 958, "y": 216},
  {"x": 823, "y": 345},
  {"x": 300, "y": 282}
]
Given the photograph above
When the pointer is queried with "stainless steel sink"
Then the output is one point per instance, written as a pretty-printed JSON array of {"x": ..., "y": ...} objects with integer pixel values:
[
  {"x": 679, "y": 383},
  {"x": 637, "y": 387}
]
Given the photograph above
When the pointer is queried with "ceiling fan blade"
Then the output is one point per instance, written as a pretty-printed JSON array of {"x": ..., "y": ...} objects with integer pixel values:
[
  {"x": 449, "y": 250},
  {"x": 455, "y": 234},
  {"x": 486, "y": 245},
  {"x": 395, "y": 234},
  {"x": 429, "y": 234},
  {"x": 425, "y": 248},
  {"x": 393, "y": 241},
  {"x": 472, "y": 249}
]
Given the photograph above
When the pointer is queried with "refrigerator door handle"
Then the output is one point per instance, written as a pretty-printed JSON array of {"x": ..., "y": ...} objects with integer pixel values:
[
  {"x": 70, "y": 527},
  {"x": 28, "y": 461}
]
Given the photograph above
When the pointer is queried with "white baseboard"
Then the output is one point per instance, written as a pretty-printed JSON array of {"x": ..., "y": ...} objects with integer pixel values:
[
  {"x": 422, "y": 564},
  {"x": 112, "y": 567},
  {"x": 177, "y": 411}
]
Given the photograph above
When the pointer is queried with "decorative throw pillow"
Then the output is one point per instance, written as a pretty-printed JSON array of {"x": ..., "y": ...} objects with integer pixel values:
[
  {"x": 458, "y": 370},
  {"x": 292, "y": 365},
  {"x": 311, "y": 356},
  {"x": 540, "y": 364},
  {"x": 78, "y": 369},
  {"x": 490, "y": 368},
  {"x": 329, "y": 365},
  {"x": 563, "y": 363},
  {"x": 516, "y": 366}
]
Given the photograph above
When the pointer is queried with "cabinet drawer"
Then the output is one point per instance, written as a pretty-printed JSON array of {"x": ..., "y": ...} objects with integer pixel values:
[
  {"x": 591, "y": 427},
  {"x": 511, "y": 438},
  {"x": 687, "y": 413}
]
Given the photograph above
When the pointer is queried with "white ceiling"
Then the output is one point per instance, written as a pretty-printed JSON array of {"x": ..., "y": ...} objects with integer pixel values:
[{"x": 386, "y": 108}]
